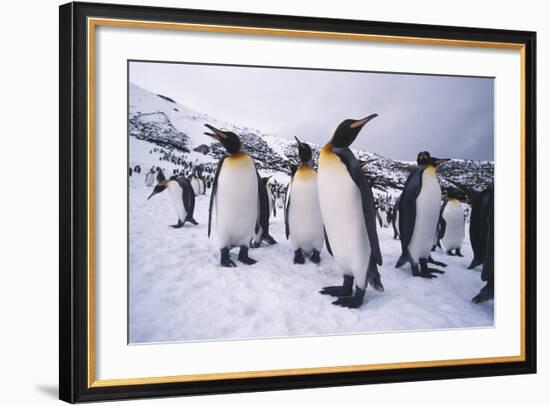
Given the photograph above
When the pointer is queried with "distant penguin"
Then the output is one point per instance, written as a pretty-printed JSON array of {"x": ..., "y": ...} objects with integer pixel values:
[
  {"x": 395, "y": 220},
  {"x": 195, "y": 184},
  {"x": 488, "y": 272},
  {"x": 137, "y": 169},
  {"x": 150, "y": 178},
  {"x": 182, "y": 197},
  {"x": 479, "y": 227},
  {"x": 383, "y": 216},
  {"x": 349, "y": 216},
  {"x": 451, "y": 224},
  {"x": 271, "y": 198},
  {"x": 303, "y": 221},
  {"x": 160, "y": 175},
  {"x": 262, "y": 226},
  {"x": 419, "y": 207},
  {"x": 235, "y": 191}
]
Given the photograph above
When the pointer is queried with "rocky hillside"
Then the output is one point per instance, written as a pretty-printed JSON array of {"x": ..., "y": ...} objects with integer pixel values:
[{"x": 160, "y": 120}]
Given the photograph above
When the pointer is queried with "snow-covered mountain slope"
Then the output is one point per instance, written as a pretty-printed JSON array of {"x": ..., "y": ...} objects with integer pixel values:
[{"x": 178, "y": 131}]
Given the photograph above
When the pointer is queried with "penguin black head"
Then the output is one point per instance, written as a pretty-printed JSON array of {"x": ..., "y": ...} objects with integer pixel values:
[
  {"x": 229, "y": 140},
  {"x": 424, "y": 158},
  {"x": 304, "y": 151},
  {"x": 453, "y": 193},
  {"x": 348, "y": 130},
  {"x": 158, "y": 189}
]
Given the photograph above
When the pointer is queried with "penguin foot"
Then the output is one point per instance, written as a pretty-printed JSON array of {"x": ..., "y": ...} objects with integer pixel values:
[
  {"x": 486, "y": 293},
  {"x": 338, "y": 291},
  {"x": 433, "y": 248},
  {"x": 244, "y": 258},
  {"x": 451, "y": 253},
  {"x": 299, "y": 257},
  {"x": 192, "y": 220},
  {"x": 458, "y": 253},
  {"x": 436, "y": 263},
  {"x": 351, "y": 302},
  {"x": 269, "y": 239},
  {"x": 434, "y": 270},
  {"x": 225, "y": 260},
  {"x": 473, "y": 264},
  {"x": 376, "y": 284},
  {"x": 179, "y": 225},
  {"x": 255, "y": 244},
  {"x": 315, "y": 257},
  {"x": 426, "y": 275}
]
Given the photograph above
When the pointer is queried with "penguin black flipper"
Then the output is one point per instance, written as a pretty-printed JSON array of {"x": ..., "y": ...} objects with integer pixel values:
[
  {"x": 442, "y": 223},
  {"x": 327, "y": 243},
  {"x": 367, "y": 200},
  {"x": 213, "y": 194},
  {"x": 263, "y": 215},
  {"x": 407, "y": 212},
  {"x": 287, "y": 226},
  {"x": 393, "y": 217}
]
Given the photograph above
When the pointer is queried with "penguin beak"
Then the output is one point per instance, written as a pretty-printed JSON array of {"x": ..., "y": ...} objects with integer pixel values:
[
  {"x": 360, "y": 123},
  {"x": 299, "y": 142},
  {"x": 437, "y": 161},
  {"x": 152, "y": 194},
  {"x": 218, "y": 134}
]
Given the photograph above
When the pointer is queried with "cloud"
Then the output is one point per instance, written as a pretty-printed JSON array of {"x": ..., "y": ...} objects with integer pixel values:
[{"x": 449, "y": 116}]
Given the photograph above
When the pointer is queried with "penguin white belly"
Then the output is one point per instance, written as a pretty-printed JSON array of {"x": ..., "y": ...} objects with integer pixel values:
[
  {"x": 428, "y": 204},
  {"x": 342, "y": 213},
  {"x": 237, "y": 202},
  {"x": 305, "y": 221},
  {"x": 150, "y": 179},
  {"x": 397, "y": 221},
  {"x": 176, "y": 194},
  {"x": 454, "y": 228},
  {"x": 195, "y": 185}
]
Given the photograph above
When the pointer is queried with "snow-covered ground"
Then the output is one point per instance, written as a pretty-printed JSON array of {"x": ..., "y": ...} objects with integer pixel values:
[{"x": 178, "y": 291}]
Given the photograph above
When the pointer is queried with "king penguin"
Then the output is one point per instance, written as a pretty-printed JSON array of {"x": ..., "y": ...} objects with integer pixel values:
[
  {"x": 150, "y": 177},
  {"x": 262, "y": 225},
  {"x": 488, "y": 272},
  {"x": 236, "y": 195},
  {"x": 479, "y": 226},
  {"x": 303, "y": 221},
  {"x": 182, "y": 196},
  {"x": 349, "y": 217},
  {"x": 451, "y": 224},
  {"x": 419, "y": 207}
]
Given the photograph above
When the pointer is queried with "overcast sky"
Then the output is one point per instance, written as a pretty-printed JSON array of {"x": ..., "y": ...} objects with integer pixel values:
[{"x": 448, "y": 116}]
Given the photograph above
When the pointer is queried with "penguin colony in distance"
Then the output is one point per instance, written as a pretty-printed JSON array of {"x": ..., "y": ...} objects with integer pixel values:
[
  {"x": 235, "y": 192},
  {"x": 451, "y": 224},
  {"x": 347, "y": 209},
  {"x": 419, "y": 207},
  {"x": 303, "y": 221},
  {"x": 332, "y": 206},
  {"x": 182, "y": 197}
]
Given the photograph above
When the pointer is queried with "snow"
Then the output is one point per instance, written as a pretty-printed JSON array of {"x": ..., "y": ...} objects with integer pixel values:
[{"x": 178, "y": 291}]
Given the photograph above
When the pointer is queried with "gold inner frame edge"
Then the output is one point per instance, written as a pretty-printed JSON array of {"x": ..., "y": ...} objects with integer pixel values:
[{"x": 93, "y": 22}]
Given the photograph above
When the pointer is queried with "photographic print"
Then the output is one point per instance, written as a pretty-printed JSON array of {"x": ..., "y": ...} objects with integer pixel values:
[{"x": 279, "y": 202}]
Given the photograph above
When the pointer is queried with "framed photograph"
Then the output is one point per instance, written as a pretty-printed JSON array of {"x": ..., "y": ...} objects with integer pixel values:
[{"x": 258, "y": 202}]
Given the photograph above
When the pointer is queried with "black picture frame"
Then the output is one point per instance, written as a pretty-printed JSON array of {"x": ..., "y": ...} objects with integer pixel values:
[{"x": 74, "y": 360}]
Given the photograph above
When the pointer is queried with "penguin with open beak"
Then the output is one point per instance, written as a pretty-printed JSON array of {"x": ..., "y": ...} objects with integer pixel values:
[{"x": 235, "y": 193}]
